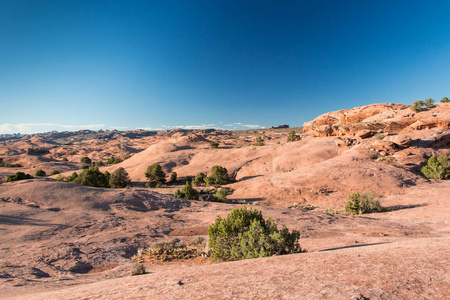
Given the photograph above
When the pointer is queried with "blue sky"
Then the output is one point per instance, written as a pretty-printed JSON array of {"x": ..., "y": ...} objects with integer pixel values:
[{"x": 70, "y": 65}]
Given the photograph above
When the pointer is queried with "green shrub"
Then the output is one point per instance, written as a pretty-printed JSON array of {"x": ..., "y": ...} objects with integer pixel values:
[
  {"x": 245, "y": 234},
  {"x": 72, "y": 177},
  {"x": 8, "y": 165},
  {"x": 155, "y": 174},
  {"x": 259, "y": 142},
  {"x": 292, "y": 137},
  {"x": 86, "y": 160},
  {"x": 60, "y": 178},
  {"x": 173, "y": 177},
  {"x": 119, "y": 178},
  {"x": 214, "y": 145},
  {"x": 99, "y": 163},
  {"x": 55, "y": 172},
  {"x": 445, "y": 99},
  {"x": 18, "y": 176},
  {"x": 137, "y": 269},
  {"x": 219, "y": 196},
  {"x": 64, "y": 159},
  {"x": 92, "y": 177},
  {"x": 112, "y": 160},
  {"x": 428, "y": 102},
  {"x": 363, "y": 204},
  {"x": 84, "y": 167},
  {"x": 187, "y": 192},
  {"x": 40, "y": 173},
  {"x": 437, "y": 167},
  {"x": 200, "y": 179},
  {"x": 219, "y": 176}
]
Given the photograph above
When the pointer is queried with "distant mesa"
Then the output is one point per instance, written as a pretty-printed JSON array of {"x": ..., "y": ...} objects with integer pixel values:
[{"x": 279, "y": 126}]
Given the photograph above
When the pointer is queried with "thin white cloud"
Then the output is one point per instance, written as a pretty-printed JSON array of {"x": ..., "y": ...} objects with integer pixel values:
[
  {"x": 252, "y": 126},
  {"x": 26, "y": 128},
  {"x": 202, "y": 126},
  {"x": 237, "y": 125}
]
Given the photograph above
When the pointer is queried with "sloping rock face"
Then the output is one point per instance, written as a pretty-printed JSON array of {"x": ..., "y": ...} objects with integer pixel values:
[{"x": 378, "y": 118}]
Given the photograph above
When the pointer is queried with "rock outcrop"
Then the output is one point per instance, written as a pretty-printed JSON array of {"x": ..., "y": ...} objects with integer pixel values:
[{"x": 363, "y": 121}]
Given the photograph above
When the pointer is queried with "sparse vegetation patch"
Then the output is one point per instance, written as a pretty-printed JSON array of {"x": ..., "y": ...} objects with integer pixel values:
[{"x": 172, "y": 250}]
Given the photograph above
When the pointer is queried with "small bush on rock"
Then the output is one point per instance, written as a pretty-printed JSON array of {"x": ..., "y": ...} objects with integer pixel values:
[
  {"x": 18, "y": 176},
  {"x": 214, "y": 145},
  {"x": 445, "y": 99},
  {"x": 86, "y": 160},
  {"x": 187, "y": 192},
  {"x": 363, "y": 204},
  {"x": 259, "y": 142},
  {"x": 292, "y": 137},
  {"x": 137, "y": 269},
  {"x": 40, "y": 173},
  {"x": 245, "y": 234},
  {"x": 437, "y": 167}
]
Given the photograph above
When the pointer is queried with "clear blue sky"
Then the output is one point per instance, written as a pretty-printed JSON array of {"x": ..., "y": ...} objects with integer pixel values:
[{"x": 230, "y": 64}]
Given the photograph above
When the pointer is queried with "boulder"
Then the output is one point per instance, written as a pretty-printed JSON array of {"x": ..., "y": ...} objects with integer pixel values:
[
  {"x": 363, "y": 134},
  {"x": 401, "y": 141}
]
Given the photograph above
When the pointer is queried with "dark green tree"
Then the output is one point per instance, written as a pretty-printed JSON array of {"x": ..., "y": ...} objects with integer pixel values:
[
  {"x": 155, "y": 174},
  {"x": 92, "y": 177},
  {"x": 417, "y": 105},
  {"x": 428, "y": 102},
  {"x": 445, "y": 99},
  {"x": 119, "y": 178},
  {"x": 18, "y": 176},
  {"x": 200, "y": 179},
  {"x": 219, "y": 176},
  {"x": 112, "y": 160},
  {"x": 86, "y": 160}
]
